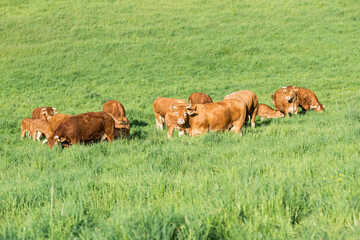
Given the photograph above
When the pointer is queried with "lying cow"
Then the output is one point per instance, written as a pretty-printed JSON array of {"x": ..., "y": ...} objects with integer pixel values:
[
  {"x": 44, "y": 113},
  {"x": 117, "y": 111},
  {"x": 251, "y": 102},
  {"x": 265, "y": 111},
  {"x": 199, "y": 98},
  {"x": 161, "y": 106},
  {"x": 39, "y": 127},
  {"x": 217, "y": 116},
  {"x": 307, "y": 99},
  {"x": 286, "y": 101},
  {"x": 25, "y": 127},
  {"x": 84, "y": 128}
]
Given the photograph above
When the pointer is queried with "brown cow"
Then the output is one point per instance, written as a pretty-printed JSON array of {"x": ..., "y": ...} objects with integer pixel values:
[
  {"x": 39, "y": 127},
  {"x": 161, "y": 106},
  {"x": 286, "y": 101},
  {"x": 171, "y": 118},
  {"x": 217, "y": 116},
  {"x": 267, "y": 112},
  {"x": 199, "y": 98},
  {"x": 44, "y": 113},
  {"x": 117, "y": 111},
  {"x": 56, "y": 120},
  {"x": 307, "y": 99},
  {"x": 25, "y": 127},
  {"x": 86, "y": 127},
  {"x": 251, "y": 102}
]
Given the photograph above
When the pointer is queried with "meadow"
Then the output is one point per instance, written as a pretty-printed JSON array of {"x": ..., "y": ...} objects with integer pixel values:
[{"x": 296, "y": 177}]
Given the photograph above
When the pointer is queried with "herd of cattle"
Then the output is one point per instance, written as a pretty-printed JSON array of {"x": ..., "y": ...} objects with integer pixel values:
[{"x": 196, "y": 117}]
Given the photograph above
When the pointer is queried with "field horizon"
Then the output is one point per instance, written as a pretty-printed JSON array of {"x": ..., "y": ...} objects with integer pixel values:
[{"x": 295, "y": 177}]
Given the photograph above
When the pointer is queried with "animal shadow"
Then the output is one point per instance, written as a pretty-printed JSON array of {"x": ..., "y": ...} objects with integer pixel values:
[{"x": 138, "y": 123}]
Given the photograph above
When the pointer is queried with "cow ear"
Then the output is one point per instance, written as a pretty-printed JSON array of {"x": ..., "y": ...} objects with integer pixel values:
[
  {"x": 172, "y": 107},
  {"x": 191, "y": 111}
]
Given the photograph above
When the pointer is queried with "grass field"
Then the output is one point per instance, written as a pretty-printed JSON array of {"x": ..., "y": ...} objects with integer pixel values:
[{"x": 288, "y": 178}]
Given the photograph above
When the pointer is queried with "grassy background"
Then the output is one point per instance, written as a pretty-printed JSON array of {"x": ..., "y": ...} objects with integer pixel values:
[{"x": 274, "y": 182}]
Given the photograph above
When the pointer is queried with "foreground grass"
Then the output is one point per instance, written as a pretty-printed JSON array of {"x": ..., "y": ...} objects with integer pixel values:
[{"x": 274, "y": 182}]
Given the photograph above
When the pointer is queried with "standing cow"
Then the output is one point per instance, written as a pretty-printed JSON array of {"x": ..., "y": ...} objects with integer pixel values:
[
  {"x": 44, "y": 113},
  {"x": 25, "y": 127},
  {"x": 84, "y": 128},
  {"x": 122, "y": 124},
  {"x": 307, "y": 99},
  {"x": 217, "y": 116},
  {"x": 251, "y": 102},
  {"x": 161, "y": 106},
  {"x": 199, "y": 98},
  {"x": 39, "y": 127}
]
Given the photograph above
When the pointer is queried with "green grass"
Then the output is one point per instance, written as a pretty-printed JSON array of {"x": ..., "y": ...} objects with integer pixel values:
[{"x": 75, "y": 55}]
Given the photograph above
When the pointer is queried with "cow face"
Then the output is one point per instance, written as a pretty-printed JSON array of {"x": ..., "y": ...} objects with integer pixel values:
[
  {"x": 54, "y": 140},
  {"x": 289, "y": 94},
  {"x": 48, "y": 112},
  {"x": 180, "y": 114},
  {"x": 122, "y": 122},
  {"x": 318, "y": 107}
]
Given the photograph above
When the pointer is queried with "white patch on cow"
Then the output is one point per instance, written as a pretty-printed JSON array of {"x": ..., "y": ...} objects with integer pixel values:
[
  {"x": 283, "y": 87},
  {"x": 252, "y": 124},
  {"x": 287, "y": 98},
  {"x": 181, "y": 121},
  {"x": 43, "y": 109},
  {"x": 38, "y": 135},
  {"x": 103, "y": 138},
  {"x": 181, "y": 133},
  {"x": 45, "y": 141}
]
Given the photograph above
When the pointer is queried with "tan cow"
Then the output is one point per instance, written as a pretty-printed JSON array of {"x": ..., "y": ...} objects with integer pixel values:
[
  {"x": 56, "y": 120},
  {"x": 286, "y": 101},
  {"x": 267, "y": 112},
  {"x": 84, "y": 128},
  {"x": 161, "y": 106},
  {"x": 25, "y": 127},
  {"x": 199, "y": 98},
  {"x": 307, "y": 99},
  {"x": 251, "y": 102},
  {"x": 117, "y": 111},
  {"x": 39, "y": 127},
  {"x": 44, "y": 113},
  {"x": 217, "y": 116}
]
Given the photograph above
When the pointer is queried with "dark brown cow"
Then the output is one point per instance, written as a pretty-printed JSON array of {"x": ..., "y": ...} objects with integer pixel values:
[
  {"x": 307, "y": 99},
  {"x": 199, "y": 98},
  {"x": 285, "y": 101},
  {"x": 25, "y": 127},
  {"x": 161, "y": 106},
  {"x": 267, "y": 112},
  {"x": 39, "y": 127},
  {"x": 251, "y": 102},
  {"x": 217, "y": 116},
  {"x": 44, "y": 113},
  {"x": 87, "y": 127},
  {"x": 117, "y": 111}
]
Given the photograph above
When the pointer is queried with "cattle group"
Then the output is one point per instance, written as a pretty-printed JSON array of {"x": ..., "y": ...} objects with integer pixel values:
[{"x": 195, "y": 117}]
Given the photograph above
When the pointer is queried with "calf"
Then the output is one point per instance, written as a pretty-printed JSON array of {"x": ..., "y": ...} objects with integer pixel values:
[
  {"x": 217, "y": 116},
  {"x": 251, "y": 102},
  {"x": 44, "y": 113},
  {"x": 286, "y": 101},
  {"x": 87, "y": 127},
  {"x": 25, "y": 127},
  {"x": 199, "y": 98},
  {"x": 161, "y": 106},
  {"x": 117, "y": 111},
  {"x": 267, "y": 112},
  {"x": 307, "y": 99},
  {"x": 38, "y": 127}
]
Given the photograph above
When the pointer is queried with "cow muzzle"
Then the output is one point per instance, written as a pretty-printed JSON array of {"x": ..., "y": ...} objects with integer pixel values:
[{"x": 181, "y": 121}]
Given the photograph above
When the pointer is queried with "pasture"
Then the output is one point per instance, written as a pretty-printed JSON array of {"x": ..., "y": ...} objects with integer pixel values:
[{"x": 294, "y": 177}]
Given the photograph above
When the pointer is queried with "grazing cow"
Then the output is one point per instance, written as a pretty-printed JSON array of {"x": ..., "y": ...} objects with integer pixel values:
[
  {"x": 25, "y": 127},
  {"x": 39, "y": 127},
  {"x": 307, "y": 99},
  {"x": 199, "y": 98},
  {"x": 286, "y": 101},
  {"x": 217, "y": 116},
  {"x": 267, "y": 112},
  {"x": 86, "y": 127},
  {"x": 44, "y": 113},
  {"x": 251, "y": 102},
  {"x": 117, "y": 111},
  {"x": 161, "y": 106}
]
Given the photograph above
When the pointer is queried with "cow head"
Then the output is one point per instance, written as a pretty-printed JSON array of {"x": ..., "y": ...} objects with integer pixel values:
[
  {"x": 48, "y": 112},
  {"x": 318, "y": 107},
  {"x": 290, "y": 93},
  {"x": 54, "y": 140},
  {"x": 180, "y": 114},
  {"x": 278, "y": 114},
  {"x": 122, "y": 122}
]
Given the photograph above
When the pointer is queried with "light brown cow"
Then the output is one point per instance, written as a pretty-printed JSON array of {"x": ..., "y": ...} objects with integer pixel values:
[
  {"x": 87, "y": 127},
  {"x": 307, "y": 99},
  {"x": 171, "y": 118},
  {"x": 199, "y": 98},
  {"x": 285, "y": 101},
  {"x": 117, "y": 111},
  {"x": 56, "y": 120},
  {"x": 44, "y": 113},
  {"x": 251, "y": 102},
  {"x": 161, "y": 106},
  {"x": 217, "y": 116},
  {"x": 38, "y": 127},
  {"x": 267, "y": 112},
  {"x": 25, "y": 127}
]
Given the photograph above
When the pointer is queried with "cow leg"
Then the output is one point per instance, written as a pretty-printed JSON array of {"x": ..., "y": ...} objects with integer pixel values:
[
  {"x": 253, "y": 118},
  {"x": 34, "y": 134},
  {"x": 286, "y": 113},
  {"x": 181, "y": 132},
  {"x": 159, "y": 121},
  {"x": 23, "y": 134},
  {"x": 170, "y": 131},
  {"x": 38, "y": 136}
]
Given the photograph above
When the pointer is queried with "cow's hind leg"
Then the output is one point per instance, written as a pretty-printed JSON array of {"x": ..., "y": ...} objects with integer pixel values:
[
  {"x": 23, "y": 133},
  {"x": 159, "y": 121}
]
